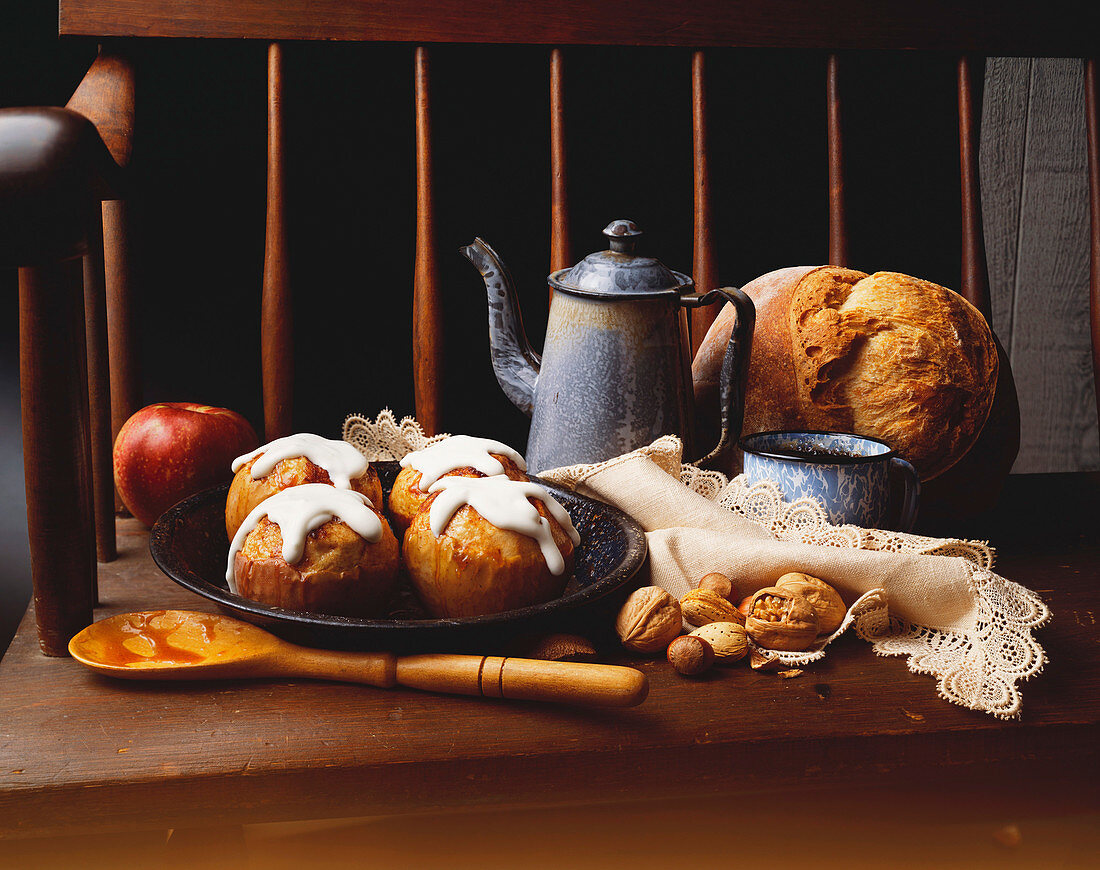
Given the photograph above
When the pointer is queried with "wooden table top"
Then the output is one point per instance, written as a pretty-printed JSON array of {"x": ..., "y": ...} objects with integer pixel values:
[{"x": 80, "y": 752}]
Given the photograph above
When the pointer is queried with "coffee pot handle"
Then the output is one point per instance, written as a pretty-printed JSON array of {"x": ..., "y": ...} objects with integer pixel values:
[{"x": 735, "y": 369}]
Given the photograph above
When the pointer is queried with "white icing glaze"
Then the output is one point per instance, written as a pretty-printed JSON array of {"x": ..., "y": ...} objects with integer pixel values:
[
  {"x": 503, "y": 502},
  {"x": 299, "y": 510},
  {"x": 458, "y": 451},
  {"x": 342, "y": 461}
]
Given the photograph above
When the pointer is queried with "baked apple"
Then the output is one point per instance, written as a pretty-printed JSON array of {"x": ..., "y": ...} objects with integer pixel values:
[
  {"x": 293, "y": 461},
  {"x": 318, "y": 549},
  {"x": 488, "y": 544},
  {"x": 457, "y": 456}
]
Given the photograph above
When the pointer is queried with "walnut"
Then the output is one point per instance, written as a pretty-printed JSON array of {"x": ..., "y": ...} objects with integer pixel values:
[
  {"x": 825, "y": 600},
  {"x": 780, "y": 619},
  {"x": 649, "y": 620}
]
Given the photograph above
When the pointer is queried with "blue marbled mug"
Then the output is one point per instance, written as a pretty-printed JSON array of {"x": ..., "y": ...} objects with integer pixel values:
[{"x": 849, "y": 475}]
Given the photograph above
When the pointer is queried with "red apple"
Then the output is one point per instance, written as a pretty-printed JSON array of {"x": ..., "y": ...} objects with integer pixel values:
[{"x": 171, "y": 450}]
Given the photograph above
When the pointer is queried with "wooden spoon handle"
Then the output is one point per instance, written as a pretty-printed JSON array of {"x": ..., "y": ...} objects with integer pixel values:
[
  {"x": 525, "y": 679},
  {"x": 485, "y": 676}
]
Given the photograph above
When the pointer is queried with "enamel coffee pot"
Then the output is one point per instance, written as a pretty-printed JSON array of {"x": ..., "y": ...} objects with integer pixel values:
[{"x": 615, "y": 372}]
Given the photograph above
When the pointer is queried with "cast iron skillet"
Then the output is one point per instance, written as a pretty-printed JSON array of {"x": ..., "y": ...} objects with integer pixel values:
[{"x": 189, "y": 544}]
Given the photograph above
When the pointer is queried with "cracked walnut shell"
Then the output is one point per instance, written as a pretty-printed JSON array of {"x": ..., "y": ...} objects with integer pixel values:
[
  {"x": 825, "y": 600},
  {"x": 779, "y": 619},
  {"x": 649, "y": 620}
]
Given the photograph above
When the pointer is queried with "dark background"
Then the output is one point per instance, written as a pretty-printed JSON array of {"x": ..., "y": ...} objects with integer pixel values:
[{"x": 199, "y": 213}]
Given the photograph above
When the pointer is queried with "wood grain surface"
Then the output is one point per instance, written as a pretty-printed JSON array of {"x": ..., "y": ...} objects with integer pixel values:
[
  {"x": 99, "y": 389},
  {"x": 1050, "y": 344},
  {"x": 122, "y": 341},
  {"x": 974, "y": 286},
  {"x": 83, "y": 752},
  {"x": 1001, "y": 165},
  {"x": 106, "y": 96},
  {"x": 277, "y": 325},
  {"x": 428, "y": 351},
  {"x": 838, "y": 226},
  {"x": 57, "y": 460},
  {"x": 561, "y": 239},
  {"x": 1092, "y": 120},
  {"x": 1010, "y": 27},
  {"x": 704, "y": 269}
]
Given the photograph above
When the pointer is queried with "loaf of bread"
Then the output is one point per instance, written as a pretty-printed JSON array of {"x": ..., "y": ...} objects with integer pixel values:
[{"x": 887, "y": 356}]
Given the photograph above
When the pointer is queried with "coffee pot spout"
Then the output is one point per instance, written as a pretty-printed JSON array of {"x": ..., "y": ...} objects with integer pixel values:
[{"x": 515, "y": 364}]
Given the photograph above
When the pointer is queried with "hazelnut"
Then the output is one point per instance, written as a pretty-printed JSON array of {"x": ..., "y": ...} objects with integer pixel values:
[
  {"x": 701, "y": 606},
  {"x": 779, "y": 619},
  {"x": 649, "y": 620},
  {"x": 825, "y": 600},
  {"x": 719, "y": 583},
  {"x": 743, "y": 607},
  {"x": 690, "y": 655},
  {"x": 728, "y": 639}
]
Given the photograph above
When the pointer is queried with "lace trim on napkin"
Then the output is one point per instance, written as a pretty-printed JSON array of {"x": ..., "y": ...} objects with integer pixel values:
[{"x": 979, "y": 669}]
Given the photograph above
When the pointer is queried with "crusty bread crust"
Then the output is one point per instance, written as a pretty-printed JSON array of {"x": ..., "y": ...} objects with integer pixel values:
[{"x": 887, "y": 355}]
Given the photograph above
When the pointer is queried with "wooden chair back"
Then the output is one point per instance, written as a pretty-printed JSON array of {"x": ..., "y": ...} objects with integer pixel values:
[{"x": 62, "y": 447}]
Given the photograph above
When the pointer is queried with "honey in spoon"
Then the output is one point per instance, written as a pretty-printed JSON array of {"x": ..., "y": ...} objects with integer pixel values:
[{"x": 165, "y": 639}]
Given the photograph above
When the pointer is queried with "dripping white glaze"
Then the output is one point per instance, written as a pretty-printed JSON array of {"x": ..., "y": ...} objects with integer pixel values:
[
  {"x": 301, "y": 509},
  {"x": 458, "y": 451},
  {"x": 342, "y": 461},
  {"x": 503, "y": 502}
]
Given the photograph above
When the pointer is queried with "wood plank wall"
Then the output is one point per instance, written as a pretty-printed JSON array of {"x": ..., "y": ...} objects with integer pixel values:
[{"x": 1035, "y": 202}]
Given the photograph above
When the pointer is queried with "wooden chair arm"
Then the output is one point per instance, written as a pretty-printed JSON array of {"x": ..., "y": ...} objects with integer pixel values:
[{"x": 53, "y": 163}]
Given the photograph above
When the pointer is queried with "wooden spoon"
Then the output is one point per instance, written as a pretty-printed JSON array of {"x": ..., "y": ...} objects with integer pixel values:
[{"x": 183, "y": 645}]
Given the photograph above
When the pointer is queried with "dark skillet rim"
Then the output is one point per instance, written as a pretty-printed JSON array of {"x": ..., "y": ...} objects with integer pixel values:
[
  {"x": 160, "y": 546},
  {"x": 818, "y": 460}
]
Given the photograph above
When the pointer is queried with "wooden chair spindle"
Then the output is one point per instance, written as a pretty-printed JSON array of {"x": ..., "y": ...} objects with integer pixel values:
[
  {"x": 838, "y": 225},
  {"x": 276, "y": 332},
  {"x": 561, "y": 254},
  {"x": 975, "y": 276},
  {"x": 705, "y": 257},
  {"x": 106, "y": 96},
  {"x": 53, "y": 375},
  {"x": 427, "y": 309},
  {"x": 99, "y": 390},
  {"x": 121, "y": 325}
]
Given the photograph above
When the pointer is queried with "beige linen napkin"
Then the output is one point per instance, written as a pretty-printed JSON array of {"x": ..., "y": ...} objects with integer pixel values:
[
  {"x": 935, "y": 601},
  {"x": 690, "y": 535}
]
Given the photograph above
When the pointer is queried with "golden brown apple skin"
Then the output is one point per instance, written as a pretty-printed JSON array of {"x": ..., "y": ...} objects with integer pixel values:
[
  {"x": 406, "y": 497},
  {"x": 475, "y": 568},
  {"x": 340, "y": 573},
  {"x": 245, "y": 493}
]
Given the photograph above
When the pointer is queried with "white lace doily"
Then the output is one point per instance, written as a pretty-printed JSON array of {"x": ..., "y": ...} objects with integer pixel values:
[{"x": 980, "y": 669}]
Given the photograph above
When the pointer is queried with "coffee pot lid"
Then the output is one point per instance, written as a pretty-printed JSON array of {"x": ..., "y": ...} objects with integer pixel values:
[{"x": 618, "y": 273}]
